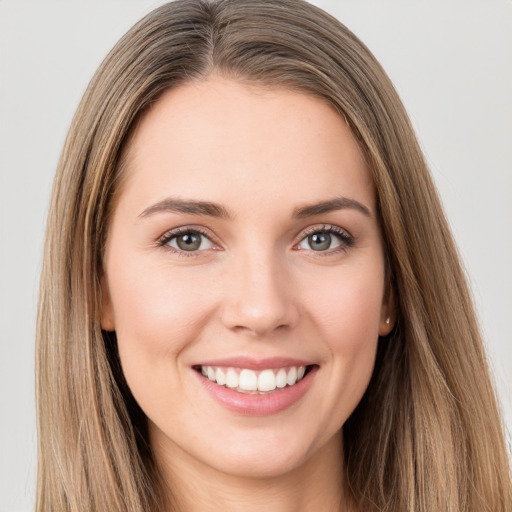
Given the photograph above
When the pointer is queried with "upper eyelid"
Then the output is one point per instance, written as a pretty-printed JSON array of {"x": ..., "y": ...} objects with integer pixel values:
[{"x": 322, "y": 227}]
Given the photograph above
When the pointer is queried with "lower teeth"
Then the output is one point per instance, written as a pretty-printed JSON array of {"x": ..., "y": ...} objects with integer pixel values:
[{"x": 254, "y": 392}]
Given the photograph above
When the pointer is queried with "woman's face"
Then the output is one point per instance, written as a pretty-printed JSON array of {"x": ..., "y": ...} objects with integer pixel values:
[{"x": 245, "y": 246}]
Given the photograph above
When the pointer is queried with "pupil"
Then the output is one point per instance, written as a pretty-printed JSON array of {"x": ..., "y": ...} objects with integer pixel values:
[
  {"x": 189, "y": 242},
  {"x": 320, "y": 241}
]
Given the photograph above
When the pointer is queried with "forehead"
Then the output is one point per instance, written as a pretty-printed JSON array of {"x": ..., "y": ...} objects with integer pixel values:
[{"x": 219, "y": 140}]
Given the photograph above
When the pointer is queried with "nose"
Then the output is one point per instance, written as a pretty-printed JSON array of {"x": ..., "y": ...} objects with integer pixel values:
[{"x": 259, "y": 297}]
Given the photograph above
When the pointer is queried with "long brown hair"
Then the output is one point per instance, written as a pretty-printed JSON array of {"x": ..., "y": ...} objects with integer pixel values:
[{"x": 427, "y": 434}]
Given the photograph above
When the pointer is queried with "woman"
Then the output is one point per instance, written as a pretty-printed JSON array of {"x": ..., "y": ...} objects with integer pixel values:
[{"x": 254, "y": 313}]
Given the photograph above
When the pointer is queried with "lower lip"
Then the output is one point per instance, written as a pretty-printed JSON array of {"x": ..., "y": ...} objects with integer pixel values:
[{"x": 259, "y": 405}]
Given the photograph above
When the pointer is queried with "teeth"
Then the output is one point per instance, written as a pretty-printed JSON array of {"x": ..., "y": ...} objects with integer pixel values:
[
  {"x": 266, "y": 381},
  {"x": 220, "y": 377},
  {"x": 281, "y": 378},
  {"x": 232, "y": 379},
  {"x": 292, "y": 376},
  {"x": 246, "y": 380}
]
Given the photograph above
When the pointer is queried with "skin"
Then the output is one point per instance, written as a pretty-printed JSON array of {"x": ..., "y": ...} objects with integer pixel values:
[{"x": 255, "y": 287}]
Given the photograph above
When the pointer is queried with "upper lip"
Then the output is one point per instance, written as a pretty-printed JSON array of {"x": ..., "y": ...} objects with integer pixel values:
[{"x": 255, "y": 363}]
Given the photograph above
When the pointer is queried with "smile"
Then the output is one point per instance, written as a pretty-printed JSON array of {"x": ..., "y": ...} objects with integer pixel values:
[
  {"x": 256, "y": 387},
  {"x": 245, "y": 380}
]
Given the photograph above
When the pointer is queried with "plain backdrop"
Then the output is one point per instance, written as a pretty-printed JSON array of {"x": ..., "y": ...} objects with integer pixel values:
[{"x": 450, "y": 61}]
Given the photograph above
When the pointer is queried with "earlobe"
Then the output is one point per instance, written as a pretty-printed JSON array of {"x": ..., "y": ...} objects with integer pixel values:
[
  {"x": 388, "y": 314},
  {"x": 386, "y": 326},
  {"x": 107, "y": 311}
]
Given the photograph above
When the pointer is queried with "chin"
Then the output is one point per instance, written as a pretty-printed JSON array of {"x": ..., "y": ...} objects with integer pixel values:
[
  {"x": 258, "y": 465},
  {"x": 272, "y": 454}
]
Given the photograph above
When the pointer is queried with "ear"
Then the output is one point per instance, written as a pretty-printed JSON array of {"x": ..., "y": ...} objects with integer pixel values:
[
  {"x": 107, "y": 310},
  {"x": 388, "y": 312}
]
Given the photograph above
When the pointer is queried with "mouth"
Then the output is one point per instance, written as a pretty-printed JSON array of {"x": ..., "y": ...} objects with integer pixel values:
[
  {"x": 255, "y": 382},
  {"x": 251, "y": 386}
]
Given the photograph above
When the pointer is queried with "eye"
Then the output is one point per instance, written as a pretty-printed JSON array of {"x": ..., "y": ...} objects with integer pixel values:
[
  {"x": 187, "y": 240},
  {"x": 325, "y": 239}
]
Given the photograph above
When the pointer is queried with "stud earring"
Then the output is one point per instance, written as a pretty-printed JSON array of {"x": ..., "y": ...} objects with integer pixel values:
[{"x": 388, "y": 320}]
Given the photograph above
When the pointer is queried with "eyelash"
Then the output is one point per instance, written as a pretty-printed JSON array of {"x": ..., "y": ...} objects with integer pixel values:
[
  {"x": 165, "y": 239},
  {"x": 346, "y": 239}
]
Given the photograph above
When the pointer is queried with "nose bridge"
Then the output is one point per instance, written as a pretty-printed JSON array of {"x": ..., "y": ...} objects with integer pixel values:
[{"x": 258, "y": 297}]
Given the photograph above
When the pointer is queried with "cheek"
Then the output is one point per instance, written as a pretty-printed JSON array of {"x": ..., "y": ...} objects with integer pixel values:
[
  {"x": 346, "y": 312},
  {"x": 347, "y": 307},
  {"x": 156, "y": 315},
  {"x": 156, "y": 318}
]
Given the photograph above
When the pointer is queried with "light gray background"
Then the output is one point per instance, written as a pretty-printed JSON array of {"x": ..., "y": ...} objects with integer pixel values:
[{"x": 450, "y": 61}]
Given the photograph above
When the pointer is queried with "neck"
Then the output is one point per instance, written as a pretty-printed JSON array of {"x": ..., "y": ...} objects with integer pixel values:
[{"x": 317, "y": 484}]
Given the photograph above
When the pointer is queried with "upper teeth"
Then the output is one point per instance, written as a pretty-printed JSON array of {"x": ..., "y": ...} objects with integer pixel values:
[{"x": 243, "y": 379}]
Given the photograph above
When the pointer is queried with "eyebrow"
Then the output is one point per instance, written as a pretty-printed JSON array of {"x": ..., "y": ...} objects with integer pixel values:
[
  {"x": 195, "y": 207},
  {"x": 338, "y": 203}
]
